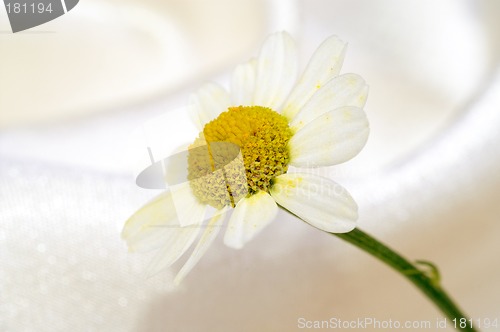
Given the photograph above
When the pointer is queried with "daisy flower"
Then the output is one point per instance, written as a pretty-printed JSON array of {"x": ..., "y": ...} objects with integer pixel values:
[{"x": 249, "y": 136}]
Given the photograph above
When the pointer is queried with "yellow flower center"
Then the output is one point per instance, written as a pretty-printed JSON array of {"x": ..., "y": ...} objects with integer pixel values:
[{"x": 238, "y": 154}]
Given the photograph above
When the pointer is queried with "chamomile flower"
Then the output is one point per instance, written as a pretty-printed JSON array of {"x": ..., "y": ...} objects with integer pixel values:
[{"x": 249, "y": 136}]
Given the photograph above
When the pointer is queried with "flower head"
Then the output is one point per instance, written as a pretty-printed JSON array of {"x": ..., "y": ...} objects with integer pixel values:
[{"x": 248, "y": 139}]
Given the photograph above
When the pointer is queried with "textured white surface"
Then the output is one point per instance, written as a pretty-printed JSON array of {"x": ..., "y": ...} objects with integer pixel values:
[{"x": 427, "y": 184}]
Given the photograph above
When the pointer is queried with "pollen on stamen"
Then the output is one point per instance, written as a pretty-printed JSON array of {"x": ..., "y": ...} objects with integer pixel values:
[{"x": 238, "y": 154}]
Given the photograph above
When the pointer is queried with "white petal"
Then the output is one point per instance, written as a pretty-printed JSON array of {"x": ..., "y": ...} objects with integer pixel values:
[
  {"x": 177, "y": 242},
  {"x": 243, "y": 83},
  {"x": 317, "y": 200},
  {"x": 330, "y": 139},
  {"x": 323, "y": 66},
  {"x": 250, "y": 216},
  {"x": 276, "y": 70},
  {"x": 149, "y": 239},
  {"x": 209, "y": 235},
  {"x": 156, "y": 213},
  {"x": 343, "y": 90},
  {"x": 155, "y": 225},
  {"x": 189, "y": 210},
  {"x": 207, "y": 103}
]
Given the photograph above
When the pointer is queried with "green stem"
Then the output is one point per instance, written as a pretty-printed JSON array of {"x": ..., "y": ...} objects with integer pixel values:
[{"x": 428, "y": 285}]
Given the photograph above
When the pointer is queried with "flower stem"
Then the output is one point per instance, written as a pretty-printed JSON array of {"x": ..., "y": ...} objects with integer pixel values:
[{"x": 428, "y": 284}]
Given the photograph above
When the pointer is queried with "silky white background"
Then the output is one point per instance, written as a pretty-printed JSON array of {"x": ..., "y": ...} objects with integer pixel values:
[{"x": 427, "y": 182}]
